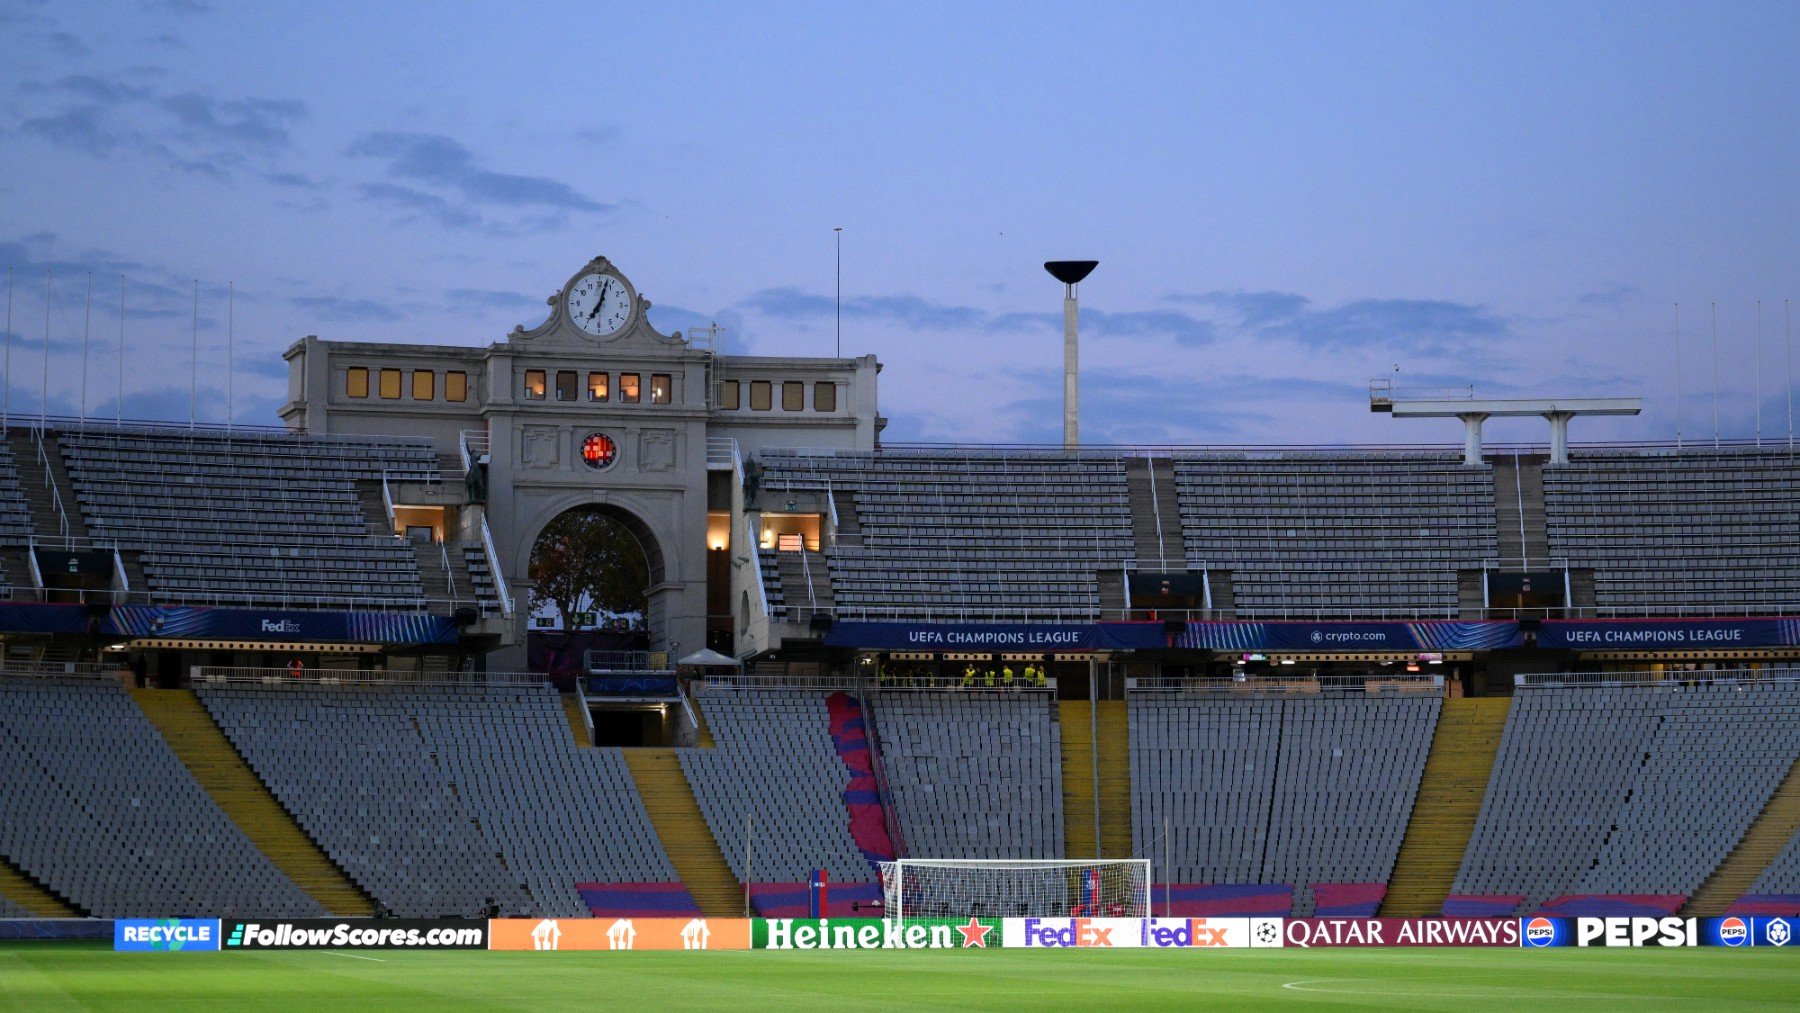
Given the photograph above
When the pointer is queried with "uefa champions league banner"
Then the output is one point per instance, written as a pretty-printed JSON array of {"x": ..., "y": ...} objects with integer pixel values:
[
  {"x": 1430, "y": 635},
  {"x": 38, "y": 617},
  {"x": 201, "y": 623},
  {"x": 1035, "y": 638},
  {"x": 1667, "y": 634}
]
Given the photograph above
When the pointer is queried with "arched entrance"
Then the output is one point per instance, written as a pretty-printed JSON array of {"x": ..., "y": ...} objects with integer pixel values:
[{"x": 591, "y": 571}]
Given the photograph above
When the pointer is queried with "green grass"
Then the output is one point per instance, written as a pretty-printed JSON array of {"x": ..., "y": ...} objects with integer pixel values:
[{"x": 38, "y": 976}]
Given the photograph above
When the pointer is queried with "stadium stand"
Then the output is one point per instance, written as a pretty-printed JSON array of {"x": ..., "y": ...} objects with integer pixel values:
[
  {"x": 774, "y": 762},
  {"x": 10, "y": 910},
  {"x": 1359, "y": 533},
  {"x": 1309, "y": 791},
  {"x": 966, "y": 533},
  {"x": 461, "y": 780},
  {"x": 973, "y": 775},
  {"x": 257, "y": 519},
  {"x": 398, "y": 829},
  {"x": 1695, "y": 527},
  {"x": 94, "y": 805},
  {"x": 1777, "y": 890},
  {"x": 1647, "y": 798}
]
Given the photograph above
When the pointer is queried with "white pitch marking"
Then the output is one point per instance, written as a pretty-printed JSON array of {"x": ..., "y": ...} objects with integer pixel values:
[
  {"x": 353, "y": 956},
  {"x": 1300, "y": 986}
]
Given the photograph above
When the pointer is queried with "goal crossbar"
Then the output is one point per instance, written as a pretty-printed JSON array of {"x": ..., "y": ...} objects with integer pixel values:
[{"x": 1015, "y": 888}]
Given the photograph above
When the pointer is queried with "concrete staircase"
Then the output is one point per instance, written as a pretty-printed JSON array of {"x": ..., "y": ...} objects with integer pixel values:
[
  {"x": 1155, "y": 514},
  {"x": 1774, "y": 827},
  {"x": 45, "y": 520},
  {"x": 1519, "y": 512},
  {"x": 577, "y": 722},
  {"x": 209, "y": 756},
  {"x": 805, "y": 584},
  {"x": 1449, "y": 800},
  {"x": 24, "y": 891},
  {"x": 1079, "y": 758},
  {"x": 669, "y": 800}
]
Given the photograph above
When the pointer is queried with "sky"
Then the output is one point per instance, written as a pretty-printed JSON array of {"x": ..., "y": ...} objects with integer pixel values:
[{"x": 1286, "y": 200}]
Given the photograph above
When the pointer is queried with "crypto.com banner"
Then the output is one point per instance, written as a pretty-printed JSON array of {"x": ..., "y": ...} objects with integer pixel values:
[{"x": 546, "y": 934}]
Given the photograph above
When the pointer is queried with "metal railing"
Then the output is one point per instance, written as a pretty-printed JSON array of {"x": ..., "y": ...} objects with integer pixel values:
[
  {"x": 209, "y": 675},
  {"x": 472, "y": 445},
  {"x": 449, "y": 574},
  {"x": 1383, "y": 391},
  {"x": 598, "y": 662},
  {"x": 1288, "y": 686},
  {"x": 495, "y": 569},
  {"x": 60, "y": 669},
  {"x": 722, "y": 454},
  {"x": 755, "y": 564},
  {"x": 119, "y": 574},
  {"x": 847, "y": 681},
  {"x": 1673, "y": 679},
  {"x": 62, "y": 514},
  {"x": 387, "y": 498}
]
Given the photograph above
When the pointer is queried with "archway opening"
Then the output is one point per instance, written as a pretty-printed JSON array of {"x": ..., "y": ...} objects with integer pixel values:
[{"x": 593, "y": 570}]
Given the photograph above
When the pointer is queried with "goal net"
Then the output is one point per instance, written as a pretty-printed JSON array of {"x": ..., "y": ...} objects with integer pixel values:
[{"x": 1015, "y": 888}]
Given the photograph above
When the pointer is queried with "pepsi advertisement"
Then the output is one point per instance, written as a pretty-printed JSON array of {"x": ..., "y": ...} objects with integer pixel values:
[{"x": 1743, "y": 932}]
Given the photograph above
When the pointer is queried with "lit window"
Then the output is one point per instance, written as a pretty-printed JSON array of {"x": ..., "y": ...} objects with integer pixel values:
[
  {"x": 660, "y": 387},
  {"x": 424, "y": 385},
  {"x": 793, "y": 396},
  {"x": 456, "y": 386},
  {"x": 534, "y": 385},
  {"x": 598, "y": 451},
  {"x": 824, "y": 397},
  {"x": 729, "y": 394},
  {"x": 390, "y": 384},
  {"x": 356, "y": 381},
  {"x": 628, "y": 388},
  {"x": 598, "y": 388},
  {"x": 759, "y": 395},
  {"x": 565, "y": 385}
]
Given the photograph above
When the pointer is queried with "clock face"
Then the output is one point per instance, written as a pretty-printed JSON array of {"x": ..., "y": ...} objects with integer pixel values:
[{"x": 599, "y": 304}]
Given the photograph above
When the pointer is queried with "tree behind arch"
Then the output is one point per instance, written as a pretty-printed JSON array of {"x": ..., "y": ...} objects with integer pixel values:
[{"x": 586, "y": 556}]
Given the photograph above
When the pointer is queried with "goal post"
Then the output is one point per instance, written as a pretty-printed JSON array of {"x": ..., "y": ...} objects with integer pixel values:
[{"x": 1015, "y": 888}]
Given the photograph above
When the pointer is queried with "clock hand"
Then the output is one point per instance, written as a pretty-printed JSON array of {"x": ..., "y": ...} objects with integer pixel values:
[{"x": 601, "y": 301}]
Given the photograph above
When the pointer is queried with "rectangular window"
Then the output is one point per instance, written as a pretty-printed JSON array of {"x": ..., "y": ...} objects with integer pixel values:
[
  {"x": 824, "y": 397},
  {"x": 356, "y": 381},
  {"x": 456, "y": 386},
  {"x": 390, "y": 384},
  {"x": 759, "y": 395},
  {"x": 661, "y": 388},
  {"x": 598, "y": 387},
  {"x": 729, "y": 394},
  {"x": 424, "y": 385},
  {"x": 534, "y": 385},
  {"x": 628, "y": 388},
  {"x": 565, "y": 385},
  {"x": 793, "y": 396}
]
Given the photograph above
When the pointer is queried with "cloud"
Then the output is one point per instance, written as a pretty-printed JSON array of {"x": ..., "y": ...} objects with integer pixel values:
[
  {"x": 67, "y": 45},
  {"x": 443, "y": 164},
  {"x": 188, "y": 7},
  {"x": 1422, "y": 325},
  {"x": 294, "y": 180},
  {"x": 191, "y": 132},
  {"x": 915, "y": 313},
  {"x": 479, "y": 298},
  {"x": 328, "y": 307},
  {"x": 248, "y": 123},
  {"x": 1610, "y": 296}
]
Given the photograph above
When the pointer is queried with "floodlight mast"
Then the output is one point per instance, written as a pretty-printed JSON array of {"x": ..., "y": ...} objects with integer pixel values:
[{"x": 1070, "y": 273}]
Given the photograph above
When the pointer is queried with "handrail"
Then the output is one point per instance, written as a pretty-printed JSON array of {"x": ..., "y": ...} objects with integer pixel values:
[
  {"x": 762, "y": 591},
  {"x": 387, "y": 498},
  {"x": 58, "y": 669},
  {"x": 234, "y": 676},
  {"x": 759, "y": 680},
  {"x": 1162, "y": 549},
  {"x": 62, "y": 514},
  {"x": 1288, "y": 686},
  {"x": 812, "y": 600},
  {"x": 449, "y": 575},
  {"x": 124, "y": 579},
  {"x": 37, "y": 574},
  {"x": 494, "y": 568},
  {"x": 831, "y": 505}
]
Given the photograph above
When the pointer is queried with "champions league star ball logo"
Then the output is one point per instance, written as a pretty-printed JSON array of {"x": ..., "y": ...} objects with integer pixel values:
[{"x": 1267, "y": 933}]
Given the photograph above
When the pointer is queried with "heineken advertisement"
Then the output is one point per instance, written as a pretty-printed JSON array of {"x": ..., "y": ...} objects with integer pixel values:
[{"x": 873, "y": 934}]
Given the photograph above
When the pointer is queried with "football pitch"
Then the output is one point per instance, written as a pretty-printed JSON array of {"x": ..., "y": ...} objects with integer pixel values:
[{"x": 41, "y": 976}]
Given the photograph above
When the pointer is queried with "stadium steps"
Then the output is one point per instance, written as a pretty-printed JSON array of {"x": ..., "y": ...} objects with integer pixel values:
[
  {"x": 572, "y": 708},
  {"x": 1519, "y": 520},
  {"x": 1450, "y": 792},
  {"x": 237, "y": 791},
  {"x": 1078, "y": 759},
  {"x": 669, "y": 800},
  {"x": 1774, "y": 827},
  {"x": 24, "y": 892},
  {"x": 44, "y": 518}
]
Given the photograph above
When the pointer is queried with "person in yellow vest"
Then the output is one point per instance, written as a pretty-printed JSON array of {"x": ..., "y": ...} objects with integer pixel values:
[
  {"x": 969, "y": 676},
  {"x": 1043, "y": 677},
  {"x": 1030, "y": 673},
  {"x": 988, "y": 678},
  {"x": 1006, "y": 677}
]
